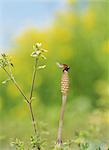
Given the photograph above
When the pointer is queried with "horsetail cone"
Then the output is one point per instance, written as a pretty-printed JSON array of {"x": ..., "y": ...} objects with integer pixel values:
[
  {"x": 64, "y": 91},
  {"x": 65, "y": 80}
]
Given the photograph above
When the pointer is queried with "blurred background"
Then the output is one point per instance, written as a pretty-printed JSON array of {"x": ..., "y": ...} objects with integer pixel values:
[{"x": 75, "y": 32}]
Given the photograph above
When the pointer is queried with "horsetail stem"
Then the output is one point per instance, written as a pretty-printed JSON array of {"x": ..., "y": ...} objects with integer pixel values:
[{"x": 64, "y": 91}]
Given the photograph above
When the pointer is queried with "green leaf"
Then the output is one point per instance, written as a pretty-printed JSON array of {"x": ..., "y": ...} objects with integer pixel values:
[
  {"x": 41, "y": 67},
  {"x": 35, "y": 48},
  {"x": 4, "y": 82},
  {"x": 43, "y": 56},
  {"x": 44, "y": 50}
]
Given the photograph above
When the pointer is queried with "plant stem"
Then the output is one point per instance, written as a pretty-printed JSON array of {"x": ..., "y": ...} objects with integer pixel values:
[
  {"x": 29, "y": 102},
  {"x": 31, "y": 94},
  {"x": 33, "y": 78},
  {"x": 16, "y": 84},
  {"x": 33, "y": 119},
  {"x": 59, "y": 137},
  {"x": 34, "y": 123}
]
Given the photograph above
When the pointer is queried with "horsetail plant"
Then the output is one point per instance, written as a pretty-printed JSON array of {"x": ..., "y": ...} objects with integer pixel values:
[
  {"x": 64, "y": 91},
  {"x": 6, "y": 65}
]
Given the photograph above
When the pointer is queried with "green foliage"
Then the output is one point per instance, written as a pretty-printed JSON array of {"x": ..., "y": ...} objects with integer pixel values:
[
  {"x": 33, "y": 144},
  {"x": 19, "y": 145},
  {"x": 37, "y": 142},
  {"x": 98, "y": 148},
  {"x": 84, "y": 146},
  {"x": 58, "y": 148},
  {"x": 5, "y": 61},
  {"x": 4, "y": 82}
]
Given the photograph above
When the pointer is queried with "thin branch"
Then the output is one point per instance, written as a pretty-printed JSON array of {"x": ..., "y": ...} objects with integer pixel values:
[
  {"x": 16, "y": 84},
  {"x": 31, "y": 94},
  {"x": 30, "y": 100},
  {"x": 33, "y": 119},
  {"x": 33, "y": 79}
]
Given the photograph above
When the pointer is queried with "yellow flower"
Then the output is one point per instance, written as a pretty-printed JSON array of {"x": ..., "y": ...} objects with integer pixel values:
[
  {"x": 106, "y": 46},
  {"x": 72, "y": 1},
  {"x": 89, "y": 20}
]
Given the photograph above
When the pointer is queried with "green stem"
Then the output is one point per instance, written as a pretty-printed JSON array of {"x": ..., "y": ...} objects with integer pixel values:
[
  {"x": 33, "y": 78},
  {"x": 33, "y": 119},
  {"x": 22, "y": 93},
  {"x": 30, "y": 100},
  {"x": 16, "y": 84},
  {"x": 31, "y": 94}
]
